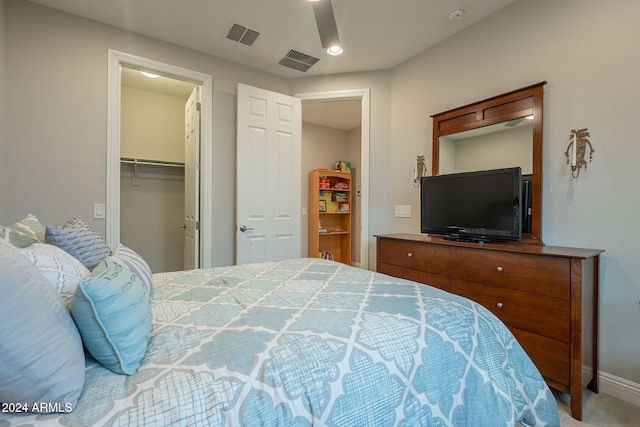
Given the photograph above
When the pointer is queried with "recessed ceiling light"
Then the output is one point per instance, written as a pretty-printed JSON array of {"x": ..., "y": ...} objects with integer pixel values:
[
  {"x": 150, "y": 75},
  {"x": 334, "y": 50}
]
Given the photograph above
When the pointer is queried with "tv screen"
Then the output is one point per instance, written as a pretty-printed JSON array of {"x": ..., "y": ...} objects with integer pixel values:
[{"x": 473, "y": 206}]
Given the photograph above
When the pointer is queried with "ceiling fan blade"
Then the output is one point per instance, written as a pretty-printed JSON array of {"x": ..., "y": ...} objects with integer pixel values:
[{"x": 326, "y": 21}]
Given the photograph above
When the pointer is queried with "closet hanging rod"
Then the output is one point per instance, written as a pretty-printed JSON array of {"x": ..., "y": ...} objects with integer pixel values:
[{"x": 151, "y": 163}]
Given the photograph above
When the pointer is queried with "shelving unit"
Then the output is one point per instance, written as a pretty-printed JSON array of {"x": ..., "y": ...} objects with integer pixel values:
[{"x": 330, "y": 215}]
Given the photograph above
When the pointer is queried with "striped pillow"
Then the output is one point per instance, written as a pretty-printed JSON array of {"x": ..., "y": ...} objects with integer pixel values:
[
  {"x": 79, "y": 240},
  {"x": 130, "y": 258}
]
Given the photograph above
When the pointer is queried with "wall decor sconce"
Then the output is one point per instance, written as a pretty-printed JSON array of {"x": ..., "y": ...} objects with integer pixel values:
[
  {"x": 419, "y": 170},
  {"x": 576, "y": 151}
]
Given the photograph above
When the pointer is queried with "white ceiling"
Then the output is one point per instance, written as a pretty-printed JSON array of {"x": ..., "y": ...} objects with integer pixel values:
[
  {"x": 343, "y": 115},
  {"x": 163, "y": 85},
  {"x": 375, "y": 34}
]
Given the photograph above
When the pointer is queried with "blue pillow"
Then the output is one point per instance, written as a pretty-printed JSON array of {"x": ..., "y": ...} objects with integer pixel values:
[
  {"x": 79, "y": 240},
  {"x": 41, "y": 355},
  {"x": 112, "y": 310}
]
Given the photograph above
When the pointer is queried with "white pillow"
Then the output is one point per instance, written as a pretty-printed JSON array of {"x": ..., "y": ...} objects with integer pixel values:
[{"x": 62, "y": 270}]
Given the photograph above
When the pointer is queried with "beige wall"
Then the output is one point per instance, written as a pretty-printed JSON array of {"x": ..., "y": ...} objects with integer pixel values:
[
  {"x": 3, "y": 157},
  {"x": 354, "y": 154},
  {"x": 151, "y": 212},
  {"x": 151, "y": 125}
]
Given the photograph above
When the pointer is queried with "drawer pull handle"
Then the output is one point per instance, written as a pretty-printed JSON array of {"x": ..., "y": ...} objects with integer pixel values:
[
  {"x": 499, "y": 305},
  {"x": 409, "y": 254},
  {"x": 500, "y": 269}
]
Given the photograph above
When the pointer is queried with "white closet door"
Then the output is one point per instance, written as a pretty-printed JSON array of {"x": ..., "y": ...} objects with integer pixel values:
[{"x": 192, "y": 181}]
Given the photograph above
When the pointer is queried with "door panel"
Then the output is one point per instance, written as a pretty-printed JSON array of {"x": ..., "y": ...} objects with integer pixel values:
[
  {"x": 268, "y": 176},
  {"x": 192, "y": 181}
]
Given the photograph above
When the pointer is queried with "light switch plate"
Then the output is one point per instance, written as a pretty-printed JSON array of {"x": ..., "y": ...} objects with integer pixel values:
[
  {"x": 403, "y": 211},
  {"x": 98, "y": 211}
]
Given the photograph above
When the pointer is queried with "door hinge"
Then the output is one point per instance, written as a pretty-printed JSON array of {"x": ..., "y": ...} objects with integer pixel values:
[
  {"x": 198, "y": 106},
  {"x": 197, "y": 225}
]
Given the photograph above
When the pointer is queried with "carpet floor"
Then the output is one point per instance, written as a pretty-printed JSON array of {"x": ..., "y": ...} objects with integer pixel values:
[{"x": 599, "y": 410}]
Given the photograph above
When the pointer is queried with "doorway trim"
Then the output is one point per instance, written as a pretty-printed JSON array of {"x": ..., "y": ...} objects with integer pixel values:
[
  {"x": 116, "y": 61},
  {"x": 362, "y": 95}
]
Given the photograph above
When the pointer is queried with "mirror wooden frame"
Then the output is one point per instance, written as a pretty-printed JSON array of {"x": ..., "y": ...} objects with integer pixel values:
[{"x": 512, "y": 105}]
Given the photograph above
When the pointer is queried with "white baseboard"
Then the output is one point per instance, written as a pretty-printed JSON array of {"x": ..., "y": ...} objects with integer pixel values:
[{"x": 619, "y": 388}]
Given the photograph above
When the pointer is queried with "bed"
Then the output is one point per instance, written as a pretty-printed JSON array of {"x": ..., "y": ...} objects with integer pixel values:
[
  {"x": 295, "y": 342},
  {"x": 313, "y": 342}
]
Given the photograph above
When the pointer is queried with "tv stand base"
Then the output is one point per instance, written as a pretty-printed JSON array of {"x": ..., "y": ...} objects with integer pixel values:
[{"x": 466, "y": 239}]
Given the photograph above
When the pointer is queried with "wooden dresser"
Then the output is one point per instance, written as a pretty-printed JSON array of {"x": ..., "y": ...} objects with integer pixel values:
[{"x": 547, "y": 296}]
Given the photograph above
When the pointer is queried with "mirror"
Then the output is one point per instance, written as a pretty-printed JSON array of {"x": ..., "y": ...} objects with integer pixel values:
[
  {"x": 498, "y": 132},
  {"x": 507, "y": 144}
]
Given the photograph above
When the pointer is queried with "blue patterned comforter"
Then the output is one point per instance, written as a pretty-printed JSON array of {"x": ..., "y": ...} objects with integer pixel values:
[{"x": 312, "y": 342}]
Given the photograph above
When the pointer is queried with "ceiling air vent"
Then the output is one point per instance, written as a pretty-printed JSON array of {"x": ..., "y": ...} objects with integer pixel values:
[
  {"x": 298, "y": 60},
  {"x": 242, "y": 34}
]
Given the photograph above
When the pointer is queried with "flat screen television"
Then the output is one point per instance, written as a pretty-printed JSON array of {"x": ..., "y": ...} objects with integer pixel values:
[{"x": 479, "y": 206}]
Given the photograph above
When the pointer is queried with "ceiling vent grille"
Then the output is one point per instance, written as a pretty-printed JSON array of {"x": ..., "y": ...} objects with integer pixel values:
[
  {"x": 298, "y": 60},
  {"x": 242, "y": 34}
]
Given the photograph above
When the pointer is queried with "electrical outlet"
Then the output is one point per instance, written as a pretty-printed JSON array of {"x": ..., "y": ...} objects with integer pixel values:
[{"x": 403, "y": 211}]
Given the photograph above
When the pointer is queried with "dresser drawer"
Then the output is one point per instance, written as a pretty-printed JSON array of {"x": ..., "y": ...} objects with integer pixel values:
[
  {"x": 435, "y": 280},
  {"x": 535, "y": 313},
  {"x": 532, "y": 273},
  {"x": 551, "y": 357},
  {"x": 414, "y": 255}
]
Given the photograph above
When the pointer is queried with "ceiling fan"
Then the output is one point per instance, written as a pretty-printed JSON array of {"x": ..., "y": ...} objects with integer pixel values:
[{"x": 327, "y": 28}]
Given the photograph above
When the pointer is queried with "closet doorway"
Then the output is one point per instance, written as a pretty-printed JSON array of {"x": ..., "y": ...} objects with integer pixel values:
[
  {"x": 163, "y": 173},
  {"x": 154, "y": 171}
]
